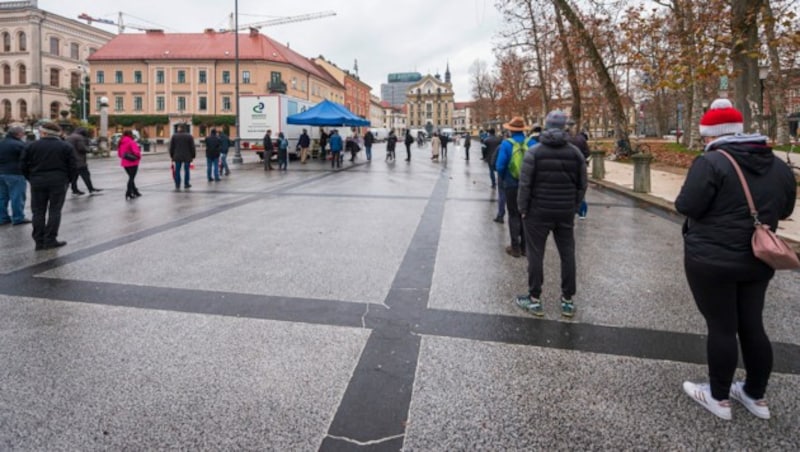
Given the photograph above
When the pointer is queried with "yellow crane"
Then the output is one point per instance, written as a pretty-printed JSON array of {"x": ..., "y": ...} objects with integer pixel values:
[{"x": 279, "y": 20}]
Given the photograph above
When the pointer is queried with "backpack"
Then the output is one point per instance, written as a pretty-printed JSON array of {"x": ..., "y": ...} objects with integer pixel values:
[{"x": 517, "y": 155}]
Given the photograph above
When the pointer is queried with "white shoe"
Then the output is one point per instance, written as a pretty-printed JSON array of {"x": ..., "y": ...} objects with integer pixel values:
[
  {"x": 758, "y": 407},
  {"x": 701, "y": 393}
]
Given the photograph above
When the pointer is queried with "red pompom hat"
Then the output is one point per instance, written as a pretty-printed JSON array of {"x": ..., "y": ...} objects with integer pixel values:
[{"x": 721, "y": 119}]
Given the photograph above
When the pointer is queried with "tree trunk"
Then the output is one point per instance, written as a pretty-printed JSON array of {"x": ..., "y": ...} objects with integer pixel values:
[
  {"x": 607, "y": 84},
  {"x": 572, "y": 76},
  {"x": 777, "y": 84},
  {"x": 744, "y": 57},
  {"x": 540, "y": 64}
]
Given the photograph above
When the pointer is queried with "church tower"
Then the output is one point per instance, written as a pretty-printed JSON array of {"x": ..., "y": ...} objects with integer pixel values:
[{"x": 447, "y": 73}]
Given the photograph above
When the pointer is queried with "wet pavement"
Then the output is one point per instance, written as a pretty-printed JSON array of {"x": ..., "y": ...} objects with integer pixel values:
[{"x": 367, "y": 308}]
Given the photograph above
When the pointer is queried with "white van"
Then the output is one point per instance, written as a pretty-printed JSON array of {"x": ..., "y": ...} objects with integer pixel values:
[{"x": 380, "y": 133}]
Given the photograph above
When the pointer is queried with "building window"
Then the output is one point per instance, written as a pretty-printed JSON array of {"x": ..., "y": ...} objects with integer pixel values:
[
  {"x": 275, "y": 77},
  {"x": 6, "y": 43},
  {"x": 101, "y": 77},
  {"x": 6, "y": 109},
  {"x": 118, "y": 77},
  {"x": 22, "y": 41},
  {"x": 294, "y": 82},
  {"x": 181, "y": 76},
  {"x": 54, "y": 45},
  {"x": 6, "y": 74},
  {"x": 201, "y": 76},
  {"x": 75, "y": 80},
  {"x": 55, "y": 75},
  {"x": 181, "y": 103},
  {"x": 137, "y": 103},
  {"x": 160, "y": 103},
  {"x": 226, "y": 103},
  {"x": 203, "y": 104},
  {"x": 137, "y": 76},
  {"x": 92, "y": 50},
  {"x": 245, "y": 76},
  {"x": 23, "y": 74},
  {"x": 226, "y": 76},
  {"x": 119, "y": 103},
  {"x": 75, "y": 51},
  {"x": 160, "y": 77},
  {"x": 55, "y": 107},
  {"x": 23, "y": 109}
]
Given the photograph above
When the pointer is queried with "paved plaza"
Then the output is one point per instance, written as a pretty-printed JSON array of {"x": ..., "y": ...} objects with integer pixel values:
[{"x": 367, "y": 308}]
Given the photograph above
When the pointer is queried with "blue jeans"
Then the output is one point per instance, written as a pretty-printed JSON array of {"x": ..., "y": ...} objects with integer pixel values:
[
  {"x": 12, "y": 190},
  {"x": 178, "y": 166},
  {"x": 501, "y": 202},
  {"x": 368, "y": 150},
  {"x": 491, "y": 176},
  {"x": 223, "y": 163},
  {"x": 583, "y": 209},
  {"x": 212, "y": 167}
]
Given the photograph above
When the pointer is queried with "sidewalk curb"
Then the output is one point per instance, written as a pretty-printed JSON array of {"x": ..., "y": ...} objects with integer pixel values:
[{"x": 664, "y": 205}]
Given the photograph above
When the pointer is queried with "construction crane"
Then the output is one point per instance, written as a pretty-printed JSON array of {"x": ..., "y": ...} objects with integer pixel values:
[
  {"x": 279, "y": 20},
  {"x": 120, "y": 23}
]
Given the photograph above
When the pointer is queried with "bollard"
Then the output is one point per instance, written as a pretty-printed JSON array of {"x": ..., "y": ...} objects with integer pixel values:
[
  {"x": 598, "y": 164},
  {"x": 641, "y": 172}
]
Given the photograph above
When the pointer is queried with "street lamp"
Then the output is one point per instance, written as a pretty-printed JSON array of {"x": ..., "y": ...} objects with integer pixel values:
[
  {"x": 84, "y": 82},
  {"x": 237, "y": 153}
]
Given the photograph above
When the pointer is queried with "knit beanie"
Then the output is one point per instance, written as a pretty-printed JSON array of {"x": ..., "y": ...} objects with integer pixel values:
[
  {"x": 556, "y": 119},
  {"x": 721, "y": 119}
]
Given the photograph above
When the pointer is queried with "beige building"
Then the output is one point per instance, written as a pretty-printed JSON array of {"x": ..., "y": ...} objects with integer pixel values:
[
  {"x": 463, "y": 119},
  {"x": 377, "y": 117},
  {"x": 430, "y": 103},
  {"x": 356, "y": 92},
  {"x": 42, "y": 58},
  {"x": 158, "y": 80}
]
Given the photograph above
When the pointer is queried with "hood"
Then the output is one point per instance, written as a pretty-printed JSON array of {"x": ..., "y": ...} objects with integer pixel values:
[
  {"x": 82, "y": 131},
  {"x": 554, "y": 137},
  {"x": 750, "y": 151}
]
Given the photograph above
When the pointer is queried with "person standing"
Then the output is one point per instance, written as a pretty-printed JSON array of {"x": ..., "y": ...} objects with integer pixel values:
[
  {"x": 224, "y": 146},
  {"x": 391, "y": 145},
  {"x": 283, "y": 152},
  {"x": 467, "y": 144},
  {"x": 508, "y": 165},
  {"x": 336, "y": 149},
  {"x": 304, "y": 142},
  {"x": 444, "y": 138},
  {"x": 436, "y": 143},
  {"x": 727, "y": 281},
  {"x": 79, "y": 139},
  {"x": 129, "y": 157},
  {"x": 579, "y": 140},
  {"x": 408, "y": 141},
  {"x": 323, "y": 142},
  {"x": 182, "y": 151},
  {"x": 213, "y": 151},
  {"x": 552, "y": 184},
  {"x": 491, "y": 143},
  {"x": 268, "y": 149},
  {"x": 49, "y": 165},
  {"x": 369, "y": 138},
  {"x": 12, "y": 182}
]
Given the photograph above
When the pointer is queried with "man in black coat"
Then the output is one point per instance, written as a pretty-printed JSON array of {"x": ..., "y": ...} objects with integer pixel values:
[
  {"x": 552, "y": 184},
  {"x": 182, "y": 151},
  {"x": 369, "y": 138},
  {"x": 268, "y": 148},
  {"x": 213, "y": 151},
  {"x": 49, "y": 165},
  {"x": 79, "y": 139},
  {"x": 304, "y": 142}
]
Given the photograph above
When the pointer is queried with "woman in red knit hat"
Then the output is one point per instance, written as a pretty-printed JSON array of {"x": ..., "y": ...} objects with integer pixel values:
[{"x": 727, "y": 281}]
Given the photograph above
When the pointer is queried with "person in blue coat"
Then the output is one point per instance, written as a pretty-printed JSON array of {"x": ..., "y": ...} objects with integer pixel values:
[{"x": 336, "y": 146}]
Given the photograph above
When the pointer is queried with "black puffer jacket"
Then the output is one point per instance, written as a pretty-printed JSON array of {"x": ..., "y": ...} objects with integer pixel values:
[
  {"x": 719, "y": 227},
  {"x": 552, "y": 180}
]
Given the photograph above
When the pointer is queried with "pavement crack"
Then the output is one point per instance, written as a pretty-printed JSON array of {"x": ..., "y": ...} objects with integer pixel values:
[
  {"x": 367, "y": 443},
  {"x": 364, "y": 317}
]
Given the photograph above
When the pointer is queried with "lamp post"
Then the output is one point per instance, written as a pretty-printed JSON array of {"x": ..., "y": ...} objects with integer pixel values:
[
  {"x": 237, "y": 153},
  {"x": 84, "y": 82},
  {"x": 102, "y": 141}
]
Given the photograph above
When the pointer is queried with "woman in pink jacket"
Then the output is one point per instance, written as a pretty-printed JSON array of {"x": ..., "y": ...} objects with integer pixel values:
[{"x": 129, "y": 157}]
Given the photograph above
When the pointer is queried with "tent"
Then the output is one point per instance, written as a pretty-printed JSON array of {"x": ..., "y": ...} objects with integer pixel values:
[{"x": 327, "y": 113}]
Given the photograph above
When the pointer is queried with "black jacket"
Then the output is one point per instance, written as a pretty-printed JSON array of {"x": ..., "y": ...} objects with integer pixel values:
[
  {"x": 10, "y": 153},
  {"x": 213, "y": 147},
  {"x": 552, "y": 181},
  {"x": 182, "y": 147},
  {"x": 49, "y": 161},
  {"x": 492, "y": 143},
  {"x": 268, "y": 145},
  {"x": 579, "y": 141},
  {"x": 80, "y": 143},
  {"x": 719, "y": 227},
  {"x": 304, "y": 141},
  {"x": 369, "y": 138}
]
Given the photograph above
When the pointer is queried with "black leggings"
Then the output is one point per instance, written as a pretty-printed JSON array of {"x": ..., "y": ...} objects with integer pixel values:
[
  {"x": 732, "y": 304},
  {"x": 131, "y": 170}
]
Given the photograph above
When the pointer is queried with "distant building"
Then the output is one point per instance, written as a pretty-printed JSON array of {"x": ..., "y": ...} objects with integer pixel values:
[
  {"x": 463, "y": 118},
  {"x": 174, "y": 78},
  {"x": 356, "y": 92},
  {"x": 394, "y": 117},
  {"x": 430, "y": 103},
  {"x": 395, "y": 90},
  {"x": 377, "y": 118},
  {"x": 43, "y": 57}
]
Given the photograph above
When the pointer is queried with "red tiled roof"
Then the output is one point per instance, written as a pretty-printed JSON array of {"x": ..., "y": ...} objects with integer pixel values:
[
  {"x": 203, "y": 46},
  {"x": 462, "y": 105}
]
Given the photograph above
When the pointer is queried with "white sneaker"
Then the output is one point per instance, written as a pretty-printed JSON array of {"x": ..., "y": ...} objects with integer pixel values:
[
  {"x": 701, "y": 393},
  {"x": 758, "y": 407}
]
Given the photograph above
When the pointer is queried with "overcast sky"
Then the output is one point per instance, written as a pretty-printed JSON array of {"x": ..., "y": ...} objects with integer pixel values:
[{"x": 384, "y": 36}]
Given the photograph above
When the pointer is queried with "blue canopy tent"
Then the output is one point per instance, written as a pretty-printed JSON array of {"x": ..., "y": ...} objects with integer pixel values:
[{"x": 327, "y": 113}]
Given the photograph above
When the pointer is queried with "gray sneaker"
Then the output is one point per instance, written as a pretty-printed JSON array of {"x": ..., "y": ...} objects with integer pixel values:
[
  {"x": 567, "y": 308},
  {"x": 530, "y": 305}
]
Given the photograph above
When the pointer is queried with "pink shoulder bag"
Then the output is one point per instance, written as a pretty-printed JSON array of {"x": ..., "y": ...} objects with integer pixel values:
[{"x": 767, "y": 246}]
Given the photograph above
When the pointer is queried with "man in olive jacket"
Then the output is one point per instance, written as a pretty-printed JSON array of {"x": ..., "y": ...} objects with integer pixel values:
[
  {"x": 182, "y": 151},
  {"x": 49, "y": 165}
]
